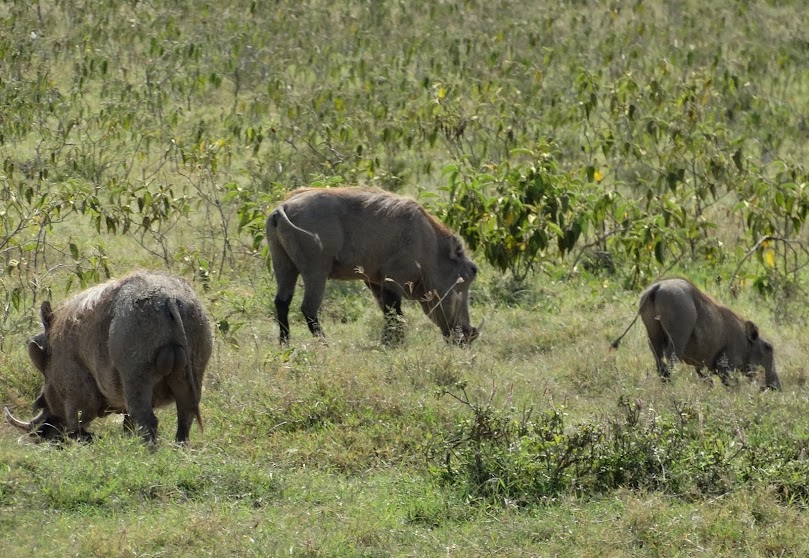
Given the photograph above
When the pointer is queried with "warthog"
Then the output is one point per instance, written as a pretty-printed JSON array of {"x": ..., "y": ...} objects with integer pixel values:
[
  {"x": 124, "y": 346},
  {"x": 388, "y": 241},
  {"x": 685, "y": 323}
]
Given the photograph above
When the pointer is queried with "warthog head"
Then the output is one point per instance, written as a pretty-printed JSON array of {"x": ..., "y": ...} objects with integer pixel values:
[
  {"x": 761, "y": 354},
  {"x": 448, "y": 305},
  {"x": 44, "y": 426}
]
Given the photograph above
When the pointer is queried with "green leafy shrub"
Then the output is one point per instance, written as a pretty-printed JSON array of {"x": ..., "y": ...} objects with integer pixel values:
[
  {"x": 521, "y": 211},
  {"x": 535, "y": 458},
  {"x": 527, "y": 210}
]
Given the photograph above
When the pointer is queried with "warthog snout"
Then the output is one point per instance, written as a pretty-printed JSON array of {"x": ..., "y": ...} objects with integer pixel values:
[{"x": 464, "y": 334}]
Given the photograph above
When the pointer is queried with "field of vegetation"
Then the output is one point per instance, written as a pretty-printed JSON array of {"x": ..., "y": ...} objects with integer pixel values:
[{"x": 581, "y": 148}]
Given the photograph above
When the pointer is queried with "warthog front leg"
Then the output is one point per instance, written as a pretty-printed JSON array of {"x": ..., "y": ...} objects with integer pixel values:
[
  {"x": 314, "y": 326},
  {"x": 390, "y": 303},
  {"x": 703, "y": 376},
  {"x": 74, "y": 426},
  {"x": 722, "y": 368},
  {"x": 392, "y": 307}
]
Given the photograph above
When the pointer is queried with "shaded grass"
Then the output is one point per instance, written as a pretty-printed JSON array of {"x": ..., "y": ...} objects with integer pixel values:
[
  {"x": 120, "y": 473},
  {"x": 396, "y": 515}
]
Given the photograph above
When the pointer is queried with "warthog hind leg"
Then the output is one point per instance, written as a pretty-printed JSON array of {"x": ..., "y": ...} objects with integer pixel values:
[
  {"x": 130, "y": 427},
  {"x": 138, "y": 395},
  {"x": 314, "y": 285},
  {"x": 661, "y": 348},
  {"x": 187, "y": 406},
  {"x": 282, "y": 315},
  {"x": 286, "y": 275}
]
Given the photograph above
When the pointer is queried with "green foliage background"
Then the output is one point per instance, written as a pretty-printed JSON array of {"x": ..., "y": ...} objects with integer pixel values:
[{"x": 581, "y": 148}]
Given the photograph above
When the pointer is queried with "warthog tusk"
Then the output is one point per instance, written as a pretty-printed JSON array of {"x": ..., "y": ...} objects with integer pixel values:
[
  {"x": 22, "y": 425},
  {"x": 480, "y": 326}
]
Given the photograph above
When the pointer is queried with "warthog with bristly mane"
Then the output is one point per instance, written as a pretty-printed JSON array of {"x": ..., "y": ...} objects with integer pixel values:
[
  {"x": 124, "y": 346},
  {"x": 685, "y": 323},
  {"x": 388, "y": 241}
]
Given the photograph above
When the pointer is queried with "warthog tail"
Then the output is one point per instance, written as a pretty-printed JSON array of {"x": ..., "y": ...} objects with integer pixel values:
[
  {"x": 648, "y": 294},
  {"x": 189, "y": 366},
  {"x": 285, "y": 217},
  {"x": 614, "y": 344}
]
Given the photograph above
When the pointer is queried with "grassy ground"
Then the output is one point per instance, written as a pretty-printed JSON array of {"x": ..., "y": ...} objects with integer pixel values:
[
  {"x": 336, "y": 450},
  {"x": 158, "y": 135}
]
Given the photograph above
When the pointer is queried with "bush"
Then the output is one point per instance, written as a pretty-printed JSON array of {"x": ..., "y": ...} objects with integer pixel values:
[{"x": 533, "y": 458}]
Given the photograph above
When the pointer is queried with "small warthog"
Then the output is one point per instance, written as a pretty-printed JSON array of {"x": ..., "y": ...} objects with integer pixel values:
[
  {"x": 386, "y": 240},
  {"x": 124, "y": 346},
  {"x": 685, "y": 323}
]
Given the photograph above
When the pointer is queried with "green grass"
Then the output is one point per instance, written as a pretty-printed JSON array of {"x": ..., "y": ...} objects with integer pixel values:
[
  {"x": 336, "y": 450},
  {"x": 159, "y": 134}
]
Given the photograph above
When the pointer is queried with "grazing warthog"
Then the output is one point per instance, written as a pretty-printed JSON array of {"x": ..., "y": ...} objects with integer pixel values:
[
  {"x": 124, "y": 346},
  {"x": 685, "y": 323},
  {"x": 388, "y": 241}
]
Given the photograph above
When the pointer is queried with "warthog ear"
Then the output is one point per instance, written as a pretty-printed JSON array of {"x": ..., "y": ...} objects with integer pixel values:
[
  {"x": 38, "y": 354},
  {"x": 455, "y": 249},
  {"x": 46, "y": 313},
  {"x": 751, "y": 330}
]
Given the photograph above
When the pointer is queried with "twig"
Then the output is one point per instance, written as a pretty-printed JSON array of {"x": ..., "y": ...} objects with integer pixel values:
[
  {"x": 596, "y": 242},
  {"x": 787, "y": 241}
]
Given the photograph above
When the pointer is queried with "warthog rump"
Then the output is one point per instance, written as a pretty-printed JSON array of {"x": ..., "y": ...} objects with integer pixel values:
[
  {"x": 685, "y": 323},
  {"x": 388, "y": 241},
  {"x": 124, "y": 346}
]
